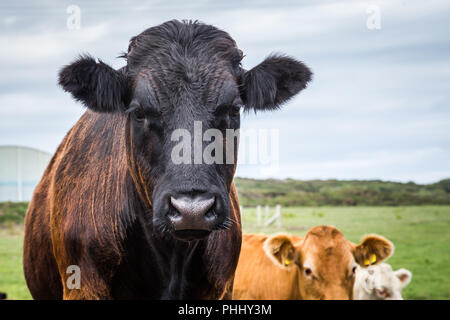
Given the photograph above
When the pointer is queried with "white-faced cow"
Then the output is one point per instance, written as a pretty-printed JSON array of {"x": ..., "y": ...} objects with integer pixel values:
[
  {"x": 380, "y": 282},
  {"x": 321, "y": 265},
  {"x": 112, "y": 201}
]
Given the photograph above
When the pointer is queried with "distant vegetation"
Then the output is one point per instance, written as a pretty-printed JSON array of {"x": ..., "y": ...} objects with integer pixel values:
[
  {"x": 291, "y": 192},
  {"x": 12, "y": 212}
]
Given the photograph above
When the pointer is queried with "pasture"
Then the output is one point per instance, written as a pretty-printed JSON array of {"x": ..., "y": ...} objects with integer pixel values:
[{"x": 421, "y": 235}]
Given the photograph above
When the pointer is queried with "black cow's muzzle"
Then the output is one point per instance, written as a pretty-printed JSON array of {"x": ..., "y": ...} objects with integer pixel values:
[
  {"x": 192, "y": 216},
  {"x": 191, "y": 213}
]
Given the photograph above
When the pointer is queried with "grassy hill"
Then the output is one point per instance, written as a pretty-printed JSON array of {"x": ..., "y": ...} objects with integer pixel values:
[
  {"x": 291, "y": 192},
  {"x": 12, "y": 212}
]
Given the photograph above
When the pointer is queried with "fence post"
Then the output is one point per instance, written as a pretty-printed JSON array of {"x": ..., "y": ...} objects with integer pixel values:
[
  {"x": 19, "y": 175},
  {"x": 258, "y": 215},
  {"x": 278, "y": 214},
  {"x": 276, "y": 217},
  {"x": 266, "y": 212}
]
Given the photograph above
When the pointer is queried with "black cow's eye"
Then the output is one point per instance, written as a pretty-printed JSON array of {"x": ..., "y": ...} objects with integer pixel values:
[
  {"x": 235, "y": 110},
  {"x": 136, "y": 111},
  {"x": 225, "y": 110},
  {"x": 139, "y": 114}
]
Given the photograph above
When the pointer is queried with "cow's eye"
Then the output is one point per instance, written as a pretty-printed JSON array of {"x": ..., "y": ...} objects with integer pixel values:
[
  {"x": 354, "y": 270},
  {"x": 308, "y": 272},
  {"x": 136, "y": 110},
  {"x": 235, "y": 110},
  {"x": 228, "y": 110},
  {"x": 139, "y": 114}
]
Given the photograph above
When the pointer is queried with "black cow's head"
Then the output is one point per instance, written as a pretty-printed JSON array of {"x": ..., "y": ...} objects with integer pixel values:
[{"x": 182, "y": 79}]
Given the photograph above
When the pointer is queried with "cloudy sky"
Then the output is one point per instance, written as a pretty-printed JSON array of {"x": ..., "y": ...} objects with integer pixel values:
[{"x": 378, "y": 107}]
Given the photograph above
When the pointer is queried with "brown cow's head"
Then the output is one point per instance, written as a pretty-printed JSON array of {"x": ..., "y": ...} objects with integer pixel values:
[
  {"x": 326, "y": 260},
  {"x": 183, "y": 87}
]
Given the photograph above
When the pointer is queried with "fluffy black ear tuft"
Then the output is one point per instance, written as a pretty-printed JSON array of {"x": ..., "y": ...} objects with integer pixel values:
[
  {"x": 273, "y": 82},
  {"x": 98, "y": 86}
]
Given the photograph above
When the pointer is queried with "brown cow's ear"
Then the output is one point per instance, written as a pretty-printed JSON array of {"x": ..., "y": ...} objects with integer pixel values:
[
  {"x": 98, "y": 86},
  {"x": 372, "y": 250},
  {"x": 273, "y": 82},
  {"x": 280, "y": 250}
]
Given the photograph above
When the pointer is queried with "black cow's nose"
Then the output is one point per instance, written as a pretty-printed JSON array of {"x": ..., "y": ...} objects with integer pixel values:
[{"x": 193, "y": 212}]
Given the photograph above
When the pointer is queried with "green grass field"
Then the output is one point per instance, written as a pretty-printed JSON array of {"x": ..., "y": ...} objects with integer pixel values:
[
  {"x": 421, "y": 235},
  {"x": 12, "y": 280}
]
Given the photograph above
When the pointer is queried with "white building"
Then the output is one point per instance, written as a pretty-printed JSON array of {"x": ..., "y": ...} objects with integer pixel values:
[{"x": 21, "y": 169}]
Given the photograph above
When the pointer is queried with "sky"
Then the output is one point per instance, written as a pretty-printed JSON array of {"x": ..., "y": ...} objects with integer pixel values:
[{"x": 378, "y": 106}]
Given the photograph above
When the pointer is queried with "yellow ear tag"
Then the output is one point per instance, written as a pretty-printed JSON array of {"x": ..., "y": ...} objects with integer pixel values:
[
  {"x": 374, "y": 258},
  {"x": 287, "y": 262},
  {"x": 366, "y": 262}
]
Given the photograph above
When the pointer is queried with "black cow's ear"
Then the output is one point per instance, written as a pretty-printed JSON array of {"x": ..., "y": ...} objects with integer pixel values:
[
  {"x": 98, "y": 86},
  {"x": 274, "y": 81}
]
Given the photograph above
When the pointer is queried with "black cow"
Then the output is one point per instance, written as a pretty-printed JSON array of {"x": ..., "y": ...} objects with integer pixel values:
[{"x": 112, "y": 200}]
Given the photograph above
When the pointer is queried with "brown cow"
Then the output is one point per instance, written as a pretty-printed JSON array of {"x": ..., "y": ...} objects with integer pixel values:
[
  {"x": 115, "y": 216},
  {"x": 321, "y": 265}
]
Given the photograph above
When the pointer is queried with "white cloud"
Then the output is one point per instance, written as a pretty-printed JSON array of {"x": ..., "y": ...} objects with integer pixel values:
[
  {"x": 29, "y": 49},
  {"x": 9, "y": 21},
  {"x": 377, "y": 107},
  {"x": 392, "y": 165}
]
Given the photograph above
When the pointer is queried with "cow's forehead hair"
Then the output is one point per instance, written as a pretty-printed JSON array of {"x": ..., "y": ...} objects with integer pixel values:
[
  {"x": 316, "y": 258},
  {"x": 326, "y": 246},
  {"x": 383, "y": 273},
  {"x": 324, "y": 232},
  {"x": 326, "y": 239},
  {"x": 179, "y": 46}
]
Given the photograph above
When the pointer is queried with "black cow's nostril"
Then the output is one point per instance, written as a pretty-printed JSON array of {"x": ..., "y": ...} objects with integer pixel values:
[
  {"x": 192, "y": 206},
  {"x": 193, "y": 212}
]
